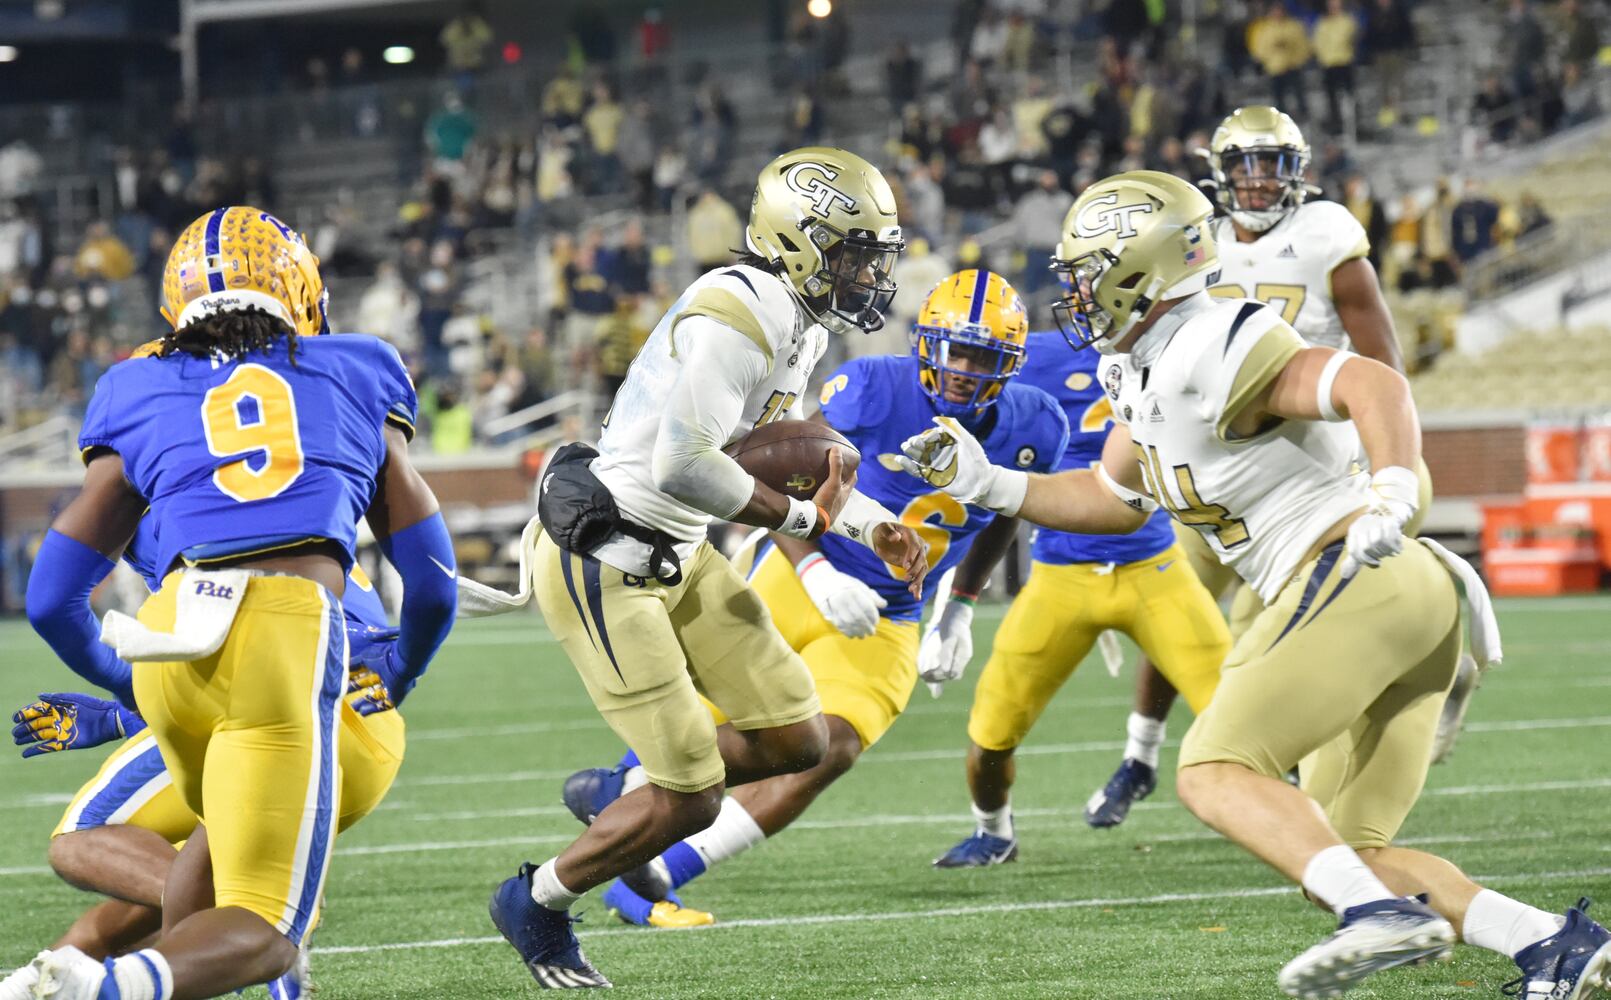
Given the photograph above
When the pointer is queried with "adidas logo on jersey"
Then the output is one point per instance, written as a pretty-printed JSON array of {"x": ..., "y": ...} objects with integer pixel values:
[
  {"x": 1287, "y": 253},
  {"x": 1156, "y": 416}
]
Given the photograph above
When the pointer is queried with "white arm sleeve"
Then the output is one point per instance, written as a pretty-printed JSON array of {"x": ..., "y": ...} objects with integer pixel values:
[{"x": 720, "y": 366}]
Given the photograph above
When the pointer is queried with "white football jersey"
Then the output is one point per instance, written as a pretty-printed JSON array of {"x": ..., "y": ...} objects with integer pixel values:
[
  {"x": 1261, "y": 502},
  {"x": 746, "y": 299},
  {"x": 1289, "y": 267}
]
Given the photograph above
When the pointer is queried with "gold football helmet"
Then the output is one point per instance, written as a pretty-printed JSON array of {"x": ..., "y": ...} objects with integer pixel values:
[
  {"x": 1259, "y": 160},
  {"x": 825, "y": 220},
  {"x": 969, "y": 341},
  {"x": 237, "y": 258},
  {"x": 1130, "y": 241}
]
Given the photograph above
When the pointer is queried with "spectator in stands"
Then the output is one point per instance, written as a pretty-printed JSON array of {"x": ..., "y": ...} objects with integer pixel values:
[
  {"x": 1064, "y": 127},
  {"x": 602, "y": 122},
  {"x": 72, "y": 372},
  {"x": 538, "y": 368},
  {"x": 102, "y": 256},
  {"x": 1029, "y": 113},
  {"x": 563, "y": 99},
  {"x": 714, "y": 230},
  {"x": 802, "y": 123},
  {"x": 924, "y": 212},
  {"x": 1437, "y": 239},
  {"x": 1022, "y": 50},
  {"x": 1530, "y": 215},
  {"x": 1037, "y": 226},
  {"x": 588, "y": 290},
  {"x": 1471, "y": 223},
  {"x": 448, "y": 133},
  {"x": 1280, "y": 46},
  {"x": 903, "y": 76},
  {"x": 389, "y": 309},
  {"x": 989, "y": 44},
  {"x": 1494, "y": 109},
  {"x": 1582, "y": 36},
  {"x": 1363, "y": 206},
  {"x": 465, "y": 41},
  {"x": 1390, "y": 39},
  {"x": 1335, "y": 41},
  {"x": 670, "y": 170},
  {"x": 998, "y": 148},
  {"x": 1580, "y": 95},
  {"x": 635, "y": 147},
  {"x": 1525, "y": 48},
  {"x": 554, "y": 180},
  {"x": 714, "y": 123},
  {"x": 627, "y": 264},
  {"x": 620, "y": 335},
  {"x": 449, "y": 419},
  {"x": 438, "y": 287}
]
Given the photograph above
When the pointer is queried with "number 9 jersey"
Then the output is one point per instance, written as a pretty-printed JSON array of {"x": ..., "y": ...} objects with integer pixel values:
[{"x": 255, "y": 453}]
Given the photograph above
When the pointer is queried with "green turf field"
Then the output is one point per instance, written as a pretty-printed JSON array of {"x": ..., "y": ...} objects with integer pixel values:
[{"x": 845, "y": 903}]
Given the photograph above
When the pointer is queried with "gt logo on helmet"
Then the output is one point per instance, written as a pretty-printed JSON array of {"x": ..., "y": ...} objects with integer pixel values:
[
  {"x": 1097, "y": 217},
  {"x": 822, "y": 194}
]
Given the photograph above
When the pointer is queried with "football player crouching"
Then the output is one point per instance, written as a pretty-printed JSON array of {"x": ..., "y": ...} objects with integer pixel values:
[{"x": 847, "y": 612}]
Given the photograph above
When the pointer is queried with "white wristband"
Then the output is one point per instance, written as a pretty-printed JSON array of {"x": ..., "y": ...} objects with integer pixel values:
[
  {"x": 801, "y": 519},
  {"x": 1139, "y": 501},
  {"x": 1328, "y": 376},
  {"x": 1005, "y": 492},
  {"x": 1397, "y": 485},
  {"x": 859, "y": 516}
]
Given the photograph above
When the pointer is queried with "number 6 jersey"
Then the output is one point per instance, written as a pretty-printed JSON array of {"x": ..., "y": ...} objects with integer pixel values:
[
  {"x": 1261, "y": 502},
  {"x": 254, "y": 453}
]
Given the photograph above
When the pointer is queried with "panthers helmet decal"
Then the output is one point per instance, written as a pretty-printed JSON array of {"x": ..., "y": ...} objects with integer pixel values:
[
  {"x": 1254, "y": 145},
  {"x": 237, "y": 258},
  {"x": 825, "y": 219},
  {"x": 977, "y": 318},
  {"x": 1130, "y": 241}
]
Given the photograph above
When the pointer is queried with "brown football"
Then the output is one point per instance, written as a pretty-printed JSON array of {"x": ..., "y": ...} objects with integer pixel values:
[{"x": 791, "y": 456}]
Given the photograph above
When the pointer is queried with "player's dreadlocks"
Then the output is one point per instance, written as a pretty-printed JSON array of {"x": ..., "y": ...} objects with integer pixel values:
[{"x": 233, "y": 333}]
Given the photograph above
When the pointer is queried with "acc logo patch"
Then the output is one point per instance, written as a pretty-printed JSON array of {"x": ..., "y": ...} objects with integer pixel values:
[
  {"x": 1112, "y": 379},
  {"x": 1103, "y": 214},
  {"x": 822, "y": 194},
  {"x": 1079, "y": 381},
  {"x": 1026, "y": 456}
]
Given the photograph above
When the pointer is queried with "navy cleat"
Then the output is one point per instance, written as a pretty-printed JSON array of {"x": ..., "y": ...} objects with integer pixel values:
[
  {"x": 1131, "y": 783},
  {"x": 1574, "y": 963},
  {"x": 979, "y": 851},
  {"x": 590, "y": 791},
  {"x": 543, "y": 937},
  {"x": 1371, "y": 937}
]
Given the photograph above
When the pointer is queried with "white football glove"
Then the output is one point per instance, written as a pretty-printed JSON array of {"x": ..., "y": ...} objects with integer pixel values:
[
  {"x": 1379, "y": 532},
  {"x": 948, "y": 457},
  {"x": 947, "y": 646},
  {"x": 849, "y": 605}
]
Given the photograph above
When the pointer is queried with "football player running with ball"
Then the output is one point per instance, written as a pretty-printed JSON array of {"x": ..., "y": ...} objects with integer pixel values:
[
  {"x": 1308, "y": 260},
  {"x": 847, "y": 612},
  {"x": 1248, "y": 435},
  {"x": 649, "y": 612}
]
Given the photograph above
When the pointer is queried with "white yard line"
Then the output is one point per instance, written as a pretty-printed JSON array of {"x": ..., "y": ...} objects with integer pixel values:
[{"x": 819, "y": 919}]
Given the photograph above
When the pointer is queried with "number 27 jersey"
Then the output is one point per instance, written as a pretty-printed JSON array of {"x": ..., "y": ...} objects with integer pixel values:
[{"x": 254, "y": 453}]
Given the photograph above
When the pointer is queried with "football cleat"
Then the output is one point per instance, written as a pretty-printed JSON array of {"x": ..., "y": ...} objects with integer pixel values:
[
  {"x": 543, "y": 937},
  {"x": 1371, "y": 937},
  {"x": 632, "y": 908},
  {"x": 68, "y": 974},
  {"x": 1131, "y": 783},
  {"x": 1574, "y": 963},
  {"x": 590, "y": 791},
  {"x": 20, "y": 984},
  {"x": 979, "y": 851},
  {"x": 1466, "y": 679}
]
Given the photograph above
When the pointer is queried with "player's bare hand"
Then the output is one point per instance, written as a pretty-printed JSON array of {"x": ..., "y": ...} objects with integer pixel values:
[
  {"x": 899, "y": 545},
  {"x": 835, "y": 490}
]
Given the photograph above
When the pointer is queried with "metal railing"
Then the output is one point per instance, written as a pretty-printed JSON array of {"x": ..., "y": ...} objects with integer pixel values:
[
  {"x": 1536, "y": 255},
  {"x": 51, "y": 443}
]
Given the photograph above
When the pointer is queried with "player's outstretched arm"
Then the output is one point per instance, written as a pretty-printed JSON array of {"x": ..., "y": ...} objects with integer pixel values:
[
  {"x": 1106, "y": 502},
  {"x": 1364, "y": 314},
  {"x": 409, "y": 529},
  {"x": 76, "y": 555}
]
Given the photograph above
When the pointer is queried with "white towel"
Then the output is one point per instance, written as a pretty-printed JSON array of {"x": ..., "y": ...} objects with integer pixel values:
[
  {"x": 1481, "y": 623},
  {"x": 477, "y": 600},
  {"x": 204, "y": 610},
  {"x": 1112, "y": 652}
]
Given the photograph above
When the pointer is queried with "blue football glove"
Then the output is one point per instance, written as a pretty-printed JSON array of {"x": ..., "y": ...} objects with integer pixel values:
[
  {"x": 374, "y": 669},
  {"x": 71, "y": 722}
]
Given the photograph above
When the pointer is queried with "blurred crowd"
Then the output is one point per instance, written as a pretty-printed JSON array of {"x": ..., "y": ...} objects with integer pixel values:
[{"x": 616, "y": 181}]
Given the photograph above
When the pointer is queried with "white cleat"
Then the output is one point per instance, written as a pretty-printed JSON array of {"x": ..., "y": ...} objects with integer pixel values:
[
  {"x": 1467, "y": 678},
  {"x": 1372, "y": 937},
  {"x": 20, "y": 984},
  {"x": 67, "y": 974}
]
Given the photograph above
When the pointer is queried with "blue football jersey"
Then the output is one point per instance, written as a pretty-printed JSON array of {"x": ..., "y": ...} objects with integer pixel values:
[
  {"x": 359, "y": 603},
  {"x": 877, "y": 402},
  {"x": 1069, "y": 376},
  {"x": 256, "y": 453}
]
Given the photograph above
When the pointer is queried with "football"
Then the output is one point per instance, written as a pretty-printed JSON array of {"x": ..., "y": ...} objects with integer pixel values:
[{"x": 791, "y": 456}]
